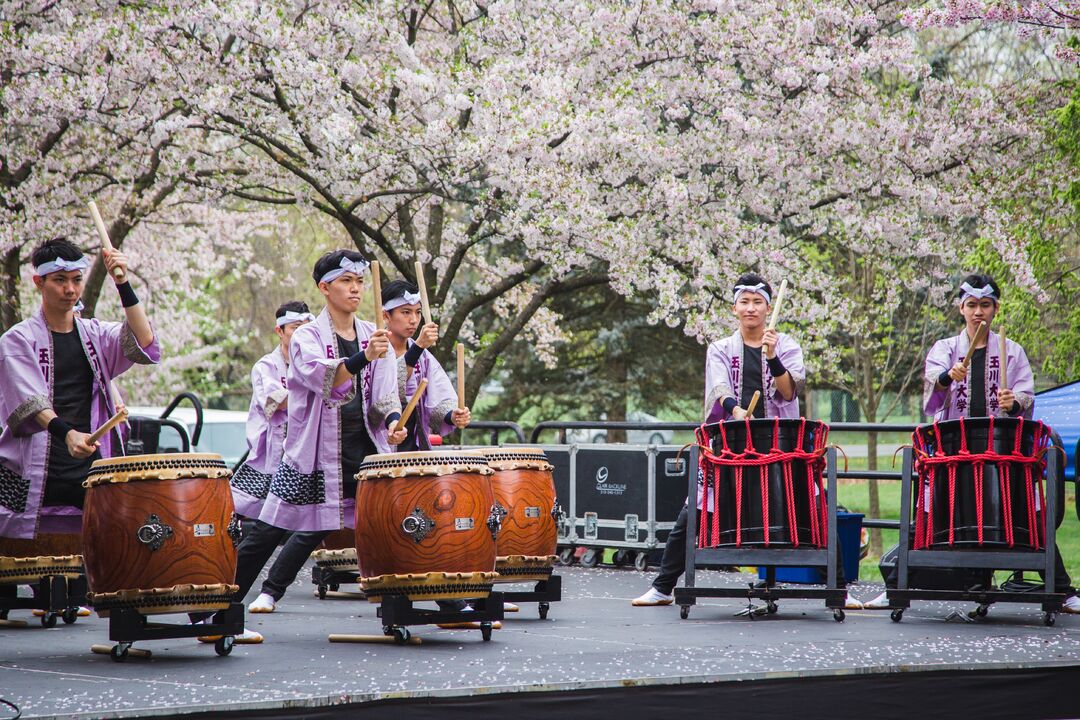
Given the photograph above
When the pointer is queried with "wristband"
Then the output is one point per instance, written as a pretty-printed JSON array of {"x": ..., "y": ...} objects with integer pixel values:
[
  {"x": 59, "y": 429},
  {"x": 944, "y": 379},
  {"x": 449, "y": 419},
  {"x": 776, "y": 366},
  {"x": 391, "y": 419},
  {"x": 127, "y": 294},
  {"x": 356, "y": 363},
  {"x": 413, "y": 354},
  {"x": 730, "y": 404}
]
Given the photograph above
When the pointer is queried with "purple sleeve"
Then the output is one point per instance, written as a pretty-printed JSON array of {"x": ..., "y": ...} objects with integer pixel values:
[
  {"x": 312, "y": 370},
  {"x": 440, "y": 398},
  {"x": 120, "y": 350},
  {"x": 717, "y": 382},
  {"x": 266, "y": 388},
  {"x": 23, "y": 394},
  {"x": 791, "y": 355},
  {"x": 1021, "y": 379},
  {"x": 938, "y": 361}
]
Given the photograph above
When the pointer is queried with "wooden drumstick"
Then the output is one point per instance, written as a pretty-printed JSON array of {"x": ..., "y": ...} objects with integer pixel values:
[
  {"x": 980, "y": 333},
  {"x": 112, "y": 422},
  {"x": 460, "y": 376},
  {"x": 753, "y": 403},
  {"x": 776, "y": 305},
  {"x": 421, "y": 283},
  {"x": 1004, "y": 385},
  {"x": 410, "y": 407},
  {"x": 103, "y": 233},
  {"x": 376, "y": 291}
]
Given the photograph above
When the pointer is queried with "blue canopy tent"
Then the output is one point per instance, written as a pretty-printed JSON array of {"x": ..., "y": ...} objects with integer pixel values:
[{"x": 1059, "y": 407}]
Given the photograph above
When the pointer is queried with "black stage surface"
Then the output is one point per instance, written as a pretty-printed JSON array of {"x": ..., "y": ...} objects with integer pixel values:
[{"x": 595, "y": 656}]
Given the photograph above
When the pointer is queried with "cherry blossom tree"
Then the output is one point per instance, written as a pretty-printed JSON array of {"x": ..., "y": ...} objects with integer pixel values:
[{"x": 1049, "y": 18}]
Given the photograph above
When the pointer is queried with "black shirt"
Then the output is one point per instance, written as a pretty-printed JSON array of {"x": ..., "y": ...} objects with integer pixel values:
[
  {"x": 752, "y": 380},
  {"x": 977, "y": 408},
  {"x": 356, "y": 444},
  {"x": 73, "y": 383}
]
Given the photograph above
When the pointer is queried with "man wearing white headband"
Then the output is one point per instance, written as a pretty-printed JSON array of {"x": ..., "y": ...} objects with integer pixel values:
[
  {"x": 57, "y": 369},
  {"x": 752, "y": 359}
]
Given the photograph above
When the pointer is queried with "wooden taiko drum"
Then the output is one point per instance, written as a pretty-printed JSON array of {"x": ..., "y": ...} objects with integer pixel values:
[
  {"x": 426, "y": 526},
  {"x": 27, "y": 561},
  {"x": 525, "y": 498},
  {"x": 159, "y": 533},
  {"x": 337, "y": 552}
]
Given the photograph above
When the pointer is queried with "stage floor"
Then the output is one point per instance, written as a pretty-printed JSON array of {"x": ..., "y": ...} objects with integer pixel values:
[{"x": 592, "y": 640}]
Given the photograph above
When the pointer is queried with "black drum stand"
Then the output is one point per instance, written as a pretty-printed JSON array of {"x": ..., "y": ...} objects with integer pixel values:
[
  {"x": 696, "y": 557},
  {"x": 329, "y": 580},
  {"x": 127, "y": 626},
  {"x": 56, "y": 595},
  {"x": 544, "y": 593},
  {"x": 397, "y": 613}
]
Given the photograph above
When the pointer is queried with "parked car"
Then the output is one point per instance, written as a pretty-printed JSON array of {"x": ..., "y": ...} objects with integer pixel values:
[
  {"x": 223, "y": 431},
  {"x": 633, "y": 437}
]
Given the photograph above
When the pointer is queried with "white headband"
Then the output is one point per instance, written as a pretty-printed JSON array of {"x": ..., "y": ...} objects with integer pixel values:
[
  {"x": 987, "y": 291},
  {"x": 359, "y": 267},
  {"x": 759, "y": 289},
  {"x": 291, "y": 317},
  {"x": 61, "y": 265},
  {"x": 407, "y": 299}
]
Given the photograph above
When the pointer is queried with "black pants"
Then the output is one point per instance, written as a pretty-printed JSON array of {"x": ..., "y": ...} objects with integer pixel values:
[{"x": 673, "y": 563}]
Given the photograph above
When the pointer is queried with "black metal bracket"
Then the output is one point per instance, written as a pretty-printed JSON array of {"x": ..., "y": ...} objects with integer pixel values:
[
  {"x": 544, "y": 593},
  {"x": 55, "y": 594},
  {"x": 127, "y": 625},
  {"x": 328, "y": 579},
  {"x": 398, "y": 611}
]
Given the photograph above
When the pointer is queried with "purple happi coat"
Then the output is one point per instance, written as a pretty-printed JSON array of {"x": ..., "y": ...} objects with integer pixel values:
[
  {"x": 723, "y": 379},
  {"x": 26, "y": 366},
  {"x": 439, "y": 398},
  {"x": 306, "y": 490},
  {"x": 954, "y": 401},
  {"x": 265, "y": 433}
]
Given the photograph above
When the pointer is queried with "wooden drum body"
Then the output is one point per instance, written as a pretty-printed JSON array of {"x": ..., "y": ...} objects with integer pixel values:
[
  {"x": 337, "y": 552},
  {"x": 160, "y": 534},
  {"x": 425, "y": 526},
  {"x": 27, "y": 561},
  {"x": 525, "y": 498}
]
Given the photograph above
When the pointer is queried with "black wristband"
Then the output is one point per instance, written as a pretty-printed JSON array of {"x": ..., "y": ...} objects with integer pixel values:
[
  {"x": 127, "y": 294},
  {"x": 449, "y": 418},
  {"x": 356, "y": 363},
  {"x": 730, "y": 404},
  {"x": 944, "y": 379},
  {"x": 59, "y": 429},
  {"x": 776, "y": 366},
  {"x": 391, "y": 419},
  {"x": 413, "y": 354}
]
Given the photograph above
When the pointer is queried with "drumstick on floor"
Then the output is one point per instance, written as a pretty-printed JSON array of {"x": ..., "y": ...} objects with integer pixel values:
[
  {"x": 112, "y": 422},
  {"x": 410, "y": 407},
  {"x": 753, "y": 403},
  {"x": 379, "y": 639}
]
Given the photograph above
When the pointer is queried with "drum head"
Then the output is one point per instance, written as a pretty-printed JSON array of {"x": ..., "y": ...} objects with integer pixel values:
[
  {"x": 420, "y": 464},
  {"x": 170, "y": 466}
]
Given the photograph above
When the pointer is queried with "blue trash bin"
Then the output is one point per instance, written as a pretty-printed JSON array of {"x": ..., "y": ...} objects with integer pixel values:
[{"x": 849, "y": 532}]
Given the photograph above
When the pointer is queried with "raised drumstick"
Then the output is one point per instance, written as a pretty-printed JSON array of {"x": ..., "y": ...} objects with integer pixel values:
[
  {"x": 103, "y": 233},
  {"x": 376, "y": 291},
  {"x": 460, "y": 376},
  {"x": 410, "y": 407},
  {"x": 980, "y": 333},
  {"x": 776, "y": 305},
  {"x": 1004, "y": 359},
  {"x": 753, "y": 403},
  {"x": 421, "y": 283},
  {"x": 109, "y": 425}
]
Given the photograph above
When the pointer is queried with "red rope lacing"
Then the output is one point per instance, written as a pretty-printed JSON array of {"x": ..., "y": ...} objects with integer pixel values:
[
  {"x": 711, "y": 464},
  {"x": 927, "y": 462}
]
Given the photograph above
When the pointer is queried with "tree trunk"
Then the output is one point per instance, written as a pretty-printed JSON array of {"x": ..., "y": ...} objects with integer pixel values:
[
  {"x": 616, "y": 410},
  {"x": 10, "y": 310}
]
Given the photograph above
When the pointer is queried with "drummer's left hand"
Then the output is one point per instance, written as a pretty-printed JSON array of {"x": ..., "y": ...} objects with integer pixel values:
[
  {"x": 461, "y": 418},
  {"x": 116, "y": 259},
  {"x": 1007, "y": 400},
  {"x": 396, "y": 438},
  {"x": 768, "y": 341}
]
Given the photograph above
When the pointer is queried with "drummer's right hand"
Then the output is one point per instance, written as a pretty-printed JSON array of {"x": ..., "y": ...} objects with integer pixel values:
[
  {"x": 377, "y": 345},
  {"x": 79, "y": 445},
  {"x": 738, "y": 413},
  {"x": 958, "y": 372},
  {"x": 396, "y": 438}
]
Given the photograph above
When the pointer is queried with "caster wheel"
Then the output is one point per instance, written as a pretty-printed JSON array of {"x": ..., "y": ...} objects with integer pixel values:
[
  {"x": 641, "y": 562},
  {"x": 401, "y": 635},
  {"x": 485, "y": 631},
  {"x": 322, "y": 591},
  {"x": 896, "y": 615},
  {"x": 4, "y": 614},
  {"x": 838, "y": 615},
  {"x": 772, "y": 608},
  {"x": 979, "y": 612},
  {"x": 1049, "y": 618},
  {"x": 543, "y": 609},
  {"x": 224, "y": 645},
  {"x": 48, "y": 620},
  {"x": 620, "y": 558},
  {"x": 70, "y": 615},
  {"x": 334, "y": 587},
  {"x": 684, "y": 612},
  {"x": 387, "y": 630},
  {"x": 119, "y": 652},
  {"x": 591, "y": 558},
  {"x": 566, "y": 557}
]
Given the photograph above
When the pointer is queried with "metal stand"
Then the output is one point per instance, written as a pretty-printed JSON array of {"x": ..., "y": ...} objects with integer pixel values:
[
  {"x": 127, "y": 626},
  {"x": 696, "y": 557},
  {"x": 397, "y": 612},
  {"x": 327, "y": 580},
  {"x": 901, "y": 596},
  {"x": 545, "y": 593},
  {"x": 58, "y": 596}
]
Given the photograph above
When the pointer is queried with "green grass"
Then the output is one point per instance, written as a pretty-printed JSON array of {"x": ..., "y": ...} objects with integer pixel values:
[{"x": 855, "y": 496}]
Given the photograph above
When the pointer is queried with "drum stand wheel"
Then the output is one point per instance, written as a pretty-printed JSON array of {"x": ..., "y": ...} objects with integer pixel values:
[
  {"x": 980, "y": 612},
  {"x": 838, "y": 614},
  {"x": 224, "y": 645},
  {"x": 119, "y": 652},
  {"x": 543, "y": 609},
  {"x": 48, "y": 620},
  {"x": 684, "y": 611},
  {"x": 897, "y": 615},
  {"x": 400, "y": 633},
  {"x": 1049, "y": 618}
]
